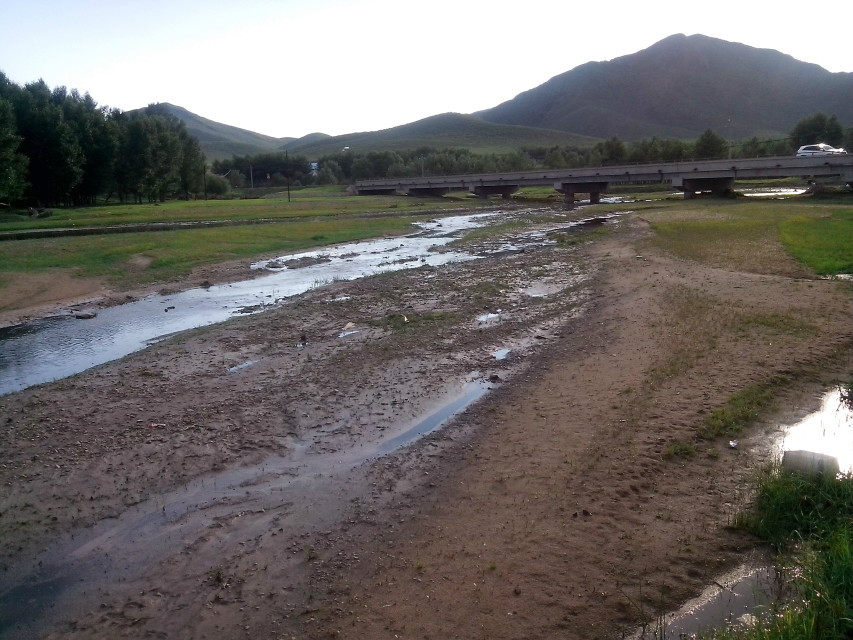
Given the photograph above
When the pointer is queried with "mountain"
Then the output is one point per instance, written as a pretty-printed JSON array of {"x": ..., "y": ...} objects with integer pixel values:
[
  {"x": 219, "y": 140},
  {"x": 678, "y": 88},
  {"x": 445, "y": 130},
  {"x": 440, "y": 131}
]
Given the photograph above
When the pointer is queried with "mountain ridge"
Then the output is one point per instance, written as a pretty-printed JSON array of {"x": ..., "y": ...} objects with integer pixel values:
[
  {"x": 679, "y": 87},
  {"x": 676, "y": 88}
]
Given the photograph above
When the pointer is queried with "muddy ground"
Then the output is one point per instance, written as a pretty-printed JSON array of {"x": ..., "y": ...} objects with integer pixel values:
[{"x": 242, "y": 481}]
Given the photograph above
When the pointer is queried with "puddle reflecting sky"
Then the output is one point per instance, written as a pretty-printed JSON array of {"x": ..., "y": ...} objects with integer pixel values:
[{"x": 828, "y": 431}]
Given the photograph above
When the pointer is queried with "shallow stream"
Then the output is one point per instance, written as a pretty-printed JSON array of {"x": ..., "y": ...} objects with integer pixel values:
[{"x": 61, "y": 346}]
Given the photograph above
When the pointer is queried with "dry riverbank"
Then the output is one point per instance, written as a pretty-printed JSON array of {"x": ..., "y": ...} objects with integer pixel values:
[{"x": 549, "y": 509}]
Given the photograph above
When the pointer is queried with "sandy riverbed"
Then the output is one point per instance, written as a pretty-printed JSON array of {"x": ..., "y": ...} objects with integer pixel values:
[{"x": 547, "y": 510}]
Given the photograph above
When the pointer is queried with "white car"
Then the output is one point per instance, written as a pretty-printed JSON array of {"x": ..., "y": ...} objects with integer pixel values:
[{"x": 821, "y": 149}]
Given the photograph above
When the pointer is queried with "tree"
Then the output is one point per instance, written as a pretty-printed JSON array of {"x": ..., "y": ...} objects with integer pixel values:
[
  {"x": 97, "y": 135},
  {"x": 817, "y": 128},
  {"x": 613, "y": 151},
  {"x": 554, "y": 158},
  {"x": 13, "y": 165},
  {"x": 191, "y": 169},
  {"x": 710, "y": 146},
  {"x": 55, "y": 156},
  {"x": 215, "y": 185}
]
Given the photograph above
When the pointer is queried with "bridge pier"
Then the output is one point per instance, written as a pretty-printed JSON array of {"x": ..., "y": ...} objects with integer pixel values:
[
  {"x": 371, "y": 191},
  {"x": 504, "y": 190},
  {"x": 721, "y": 187},
  {"x": 427, "y": 192},
  {"x": 569, "y": 189}
]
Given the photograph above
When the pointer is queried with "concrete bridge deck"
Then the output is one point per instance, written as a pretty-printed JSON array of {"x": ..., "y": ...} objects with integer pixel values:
[{"x": 716, "y": 176}]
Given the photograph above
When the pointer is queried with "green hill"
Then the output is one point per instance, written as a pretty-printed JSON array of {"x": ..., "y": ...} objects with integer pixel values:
[
  {"x": 441, "y": 131},
  {"x": 221, "y": 140}
]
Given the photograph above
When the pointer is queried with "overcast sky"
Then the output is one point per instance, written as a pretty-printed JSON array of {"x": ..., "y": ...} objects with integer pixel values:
[{"x": 292, "y": 67}]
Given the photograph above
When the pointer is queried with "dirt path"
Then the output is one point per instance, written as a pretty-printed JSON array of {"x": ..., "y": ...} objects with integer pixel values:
[{"x": 548, "y": 509}]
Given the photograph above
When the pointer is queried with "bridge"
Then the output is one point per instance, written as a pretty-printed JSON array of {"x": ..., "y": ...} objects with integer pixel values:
[{"x": 693, "y": 177}]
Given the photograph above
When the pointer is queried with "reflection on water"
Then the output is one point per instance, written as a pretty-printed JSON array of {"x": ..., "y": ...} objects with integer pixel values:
[
  {"x": 781, "y": 192},
  {"x": 828, "y": 431}
]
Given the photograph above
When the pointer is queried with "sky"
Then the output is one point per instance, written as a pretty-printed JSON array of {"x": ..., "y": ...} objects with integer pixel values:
[{"x": 287, "y": 68}]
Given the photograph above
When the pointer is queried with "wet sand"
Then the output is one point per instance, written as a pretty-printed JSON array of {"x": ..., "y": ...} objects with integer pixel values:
[{"x": 546, "y": 509}]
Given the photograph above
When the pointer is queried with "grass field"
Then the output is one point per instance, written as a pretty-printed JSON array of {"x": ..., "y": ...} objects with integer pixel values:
[
  {"x": 173, "y": 254},
  {"x": 787, "y": 237},
  {"x": 794, "y": 237},
  {"x": 306, "y": 203}
]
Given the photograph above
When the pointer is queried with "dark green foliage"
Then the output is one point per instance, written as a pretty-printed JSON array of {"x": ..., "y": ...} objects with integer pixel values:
[
  {"x": 817, "y": 128},
  {"x": 215, "y": 185},
  {"x": 793, "y": 507},
  {"x": 812, "y": 516},
  {"x": 13, "y": 165},
  {"x": 709, "y": 146},
  {"x": 273, "y": 169},
  {"x": 60, "y": 148}
]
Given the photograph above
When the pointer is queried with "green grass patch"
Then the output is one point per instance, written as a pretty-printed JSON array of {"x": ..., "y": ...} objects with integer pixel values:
[
  {"x": 824, "y": 243},
  {"x": 311, "y": 204},
  {"x": 759, "y": 236},
  {"x": 412, "y": 322},
  {"x": 792, "y": 507},
  {"x": 175, "y": 253},
  {"x": 780, "y": 323},
  {"x": 680, "y": 450},
  {"x": 813, "y": 516},
  {"x": 740, "y": 411}
]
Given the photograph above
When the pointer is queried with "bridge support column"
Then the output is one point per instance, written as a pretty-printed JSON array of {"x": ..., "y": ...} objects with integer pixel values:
[
  {"x": 368, "y": 191},
  {"x": 569, "y": 189},
  {"x": 504, "y": 190},
  {"x": 720, "y": 187},
  {"x": 428, "y": 192}
]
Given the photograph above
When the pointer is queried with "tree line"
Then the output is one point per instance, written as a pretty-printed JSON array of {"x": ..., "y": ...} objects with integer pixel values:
[
  {"x": 60, "y": 148},
  {"x": 346, "y": 166}
]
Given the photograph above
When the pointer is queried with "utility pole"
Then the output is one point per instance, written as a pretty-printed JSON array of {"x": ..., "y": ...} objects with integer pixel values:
[
  {"x": 204, "y": 178},
  {"x": 251, "y": 178}
]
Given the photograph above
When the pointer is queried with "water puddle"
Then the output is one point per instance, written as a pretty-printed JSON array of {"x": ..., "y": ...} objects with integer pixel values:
[
  {"x": 488, "y": 318},
  {"x": 542, "y": 289},
  {"x": 733, "y": 600},
  {"x": 738, "y": 596},
  {"x": 240, "y": 367},
  {"x": 471, "y": 392},
  {"x": 827, "y": 432},
  {"x": 502, "y": 354},
  {"x": 780, "y": 193}
]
